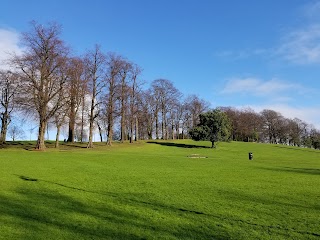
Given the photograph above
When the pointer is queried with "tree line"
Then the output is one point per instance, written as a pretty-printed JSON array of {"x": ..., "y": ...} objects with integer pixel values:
[
  {"x": 98, "y": 90},
  {"x": 269, "y": 126},
  {"x": 104, "y": 92}
]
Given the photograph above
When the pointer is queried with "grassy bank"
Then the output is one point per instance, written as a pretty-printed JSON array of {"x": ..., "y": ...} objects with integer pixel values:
[{"x": 160, "y": 190}]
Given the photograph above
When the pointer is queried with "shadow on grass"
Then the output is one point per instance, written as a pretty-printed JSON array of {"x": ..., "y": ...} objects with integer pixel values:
[
  {"x": 180, "y": 145},
  {"x": 283, "y": 226},
  {"x": 31, "y": 145},
  {"x": 18, "y": 144},
  {"x": 39, "y": 210},
  {"x": 74, "y": 145},
  {"x": 297, "y": 148},
  {"x": 311, "y": 171},
  {"x": 43, "y": 209}
]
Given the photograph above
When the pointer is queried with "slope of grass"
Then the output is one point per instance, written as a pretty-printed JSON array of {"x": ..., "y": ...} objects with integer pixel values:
[{"x": 155, "y": 190}]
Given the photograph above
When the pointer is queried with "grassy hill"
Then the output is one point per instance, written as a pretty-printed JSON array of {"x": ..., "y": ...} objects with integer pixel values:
[{"x": 160, "y": 190}]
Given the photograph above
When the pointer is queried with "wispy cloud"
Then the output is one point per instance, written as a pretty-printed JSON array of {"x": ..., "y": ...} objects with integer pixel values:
[
  {"x": 302, "y": 46},
  {"x": 9, "y": 43},
  {"x": 275, "y": 94},
  {"x": 312, "y": 10},
  {"x": 297, "y": 46},
  {"x": 258, "y": 87}
]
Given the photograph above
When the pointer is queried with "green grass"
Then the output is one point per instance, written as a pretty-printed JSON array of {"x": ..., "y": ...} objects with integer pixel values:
[{"x": 157, "y": 191}]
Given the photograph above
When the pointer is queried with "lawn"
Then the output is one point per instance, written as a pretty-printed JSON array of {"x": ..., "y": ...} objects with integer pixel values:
[{"x": 160, "y": 190}]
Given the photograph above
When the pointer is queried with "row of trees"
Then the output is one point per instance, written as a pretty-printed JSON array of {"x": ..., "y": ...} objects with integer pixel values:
[
  {"x": 271, "y": 127},
  {"x": 97, "y": 90},
  {"x": 104, "y": 91},
  {"x": 226, "y": 123}
]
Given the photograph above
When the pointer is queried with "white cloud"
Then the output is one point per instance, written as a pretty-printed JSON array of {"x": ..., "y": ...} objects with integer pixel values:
[
  {"x": 258, "y": 87},
  {"x": 241, "y": 85},
  {"x": 9, "y": 43},
  {"x": 302, "y": 46}
]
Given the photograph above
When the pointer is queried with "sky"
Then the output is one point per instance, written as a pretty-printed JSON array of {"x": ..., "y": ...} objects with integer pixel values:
[{"x": 260, "y": 54}]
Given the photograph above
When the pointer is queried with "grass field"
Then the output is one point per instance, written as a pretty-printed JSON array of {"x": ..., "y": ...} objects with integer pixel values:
[{"x": 160, "y": 190}]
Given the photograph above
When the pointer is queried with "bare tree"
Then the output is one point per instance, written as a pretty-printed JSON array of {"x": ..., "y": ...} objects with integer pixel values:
[
  {"x": 248, "y": 124},
  {"x": 9, "y": 84},
  {"x": 123, "y": 96},
  {"x": 77, "y": 90},
  {"x": 271, "y": 120},
  {"x": 99, "y": 123},
  {"x": 193, "y": 107},
  {"x": 134, "y": 103},
  {"x": 196, "y": 106},
  {"x": 94, "y": 63},
  {"x": 15, "y": 132},
  {"x": 41, "y": 79},
  {"x": 147, "y": 114},
  {"x": 60, "y": 116},
  {"x": 81, "y": 135},
  {"x": 59, "y": 120},
  {"x": 166, "y": 96},
  {"x": 315, "y": 138},
  {"x": 114, "y": 67},
  {"x": 296, "y": 131}
]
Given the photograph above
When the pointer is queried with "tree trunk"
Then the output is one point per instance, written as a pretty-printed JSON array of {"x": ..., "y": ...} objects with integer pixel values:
[
  {"x": 136, "y": 136},
  {"x": 131, "y": 129},
  {"x": 157, "y": 125},
  {"x": 91, "y": 120},
  {"x": 122, "y": 126},
  {"x": 110, "y": 126},
  {"x": 110, "y": 133},
  {"x": 110, "y": 122},
  {"x": 90, "y": 143},
  {"x": 42, "y": 129},
  {"x": 82, "y": 121},
  {"x": 172, "y": 129},
  {"x": 4, "y": 127},
  {"x": 71, "y": 133},
  {"x": 178, "y": 130},
  {"x": 212, "y": 144},
  {"x": 150, "y": 133},
  {"x": 122, "y": 121},
  {"x": 72, "y": 121},
  {"x": 100, "y": 131},
  {"x": 163, "y": 124},
  {"x": 57, "y": 137}
]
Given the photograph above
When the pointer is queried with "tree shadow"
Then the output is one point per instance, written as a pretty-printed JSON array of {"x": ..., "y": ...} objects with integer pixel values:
[
  {"x": 297, "y": 148},
  {"x": 180, "y": 145},
  {"x": 31, "y": 145},
  {"x": 44, "y": 209},
  {"x": 282, "y": 226},
  {"x": 73, "y": 145},
  {"x": 311, "y": 171}
]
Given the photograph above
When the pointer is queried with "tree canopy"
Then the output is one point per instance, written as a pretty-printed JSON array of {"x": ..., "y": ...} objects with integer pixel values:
[{"x": 214, "y": 126}]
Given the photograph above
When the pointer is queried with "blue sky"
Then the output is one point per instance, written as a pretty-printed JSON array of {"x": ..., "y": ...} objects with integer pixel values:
[{"x": 261, "y": 54}]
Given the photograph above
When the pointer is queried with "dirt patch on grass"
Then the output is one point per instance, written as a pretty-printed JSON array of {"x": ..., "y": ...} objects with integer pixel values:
[{"x": 196, "y": 156}]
